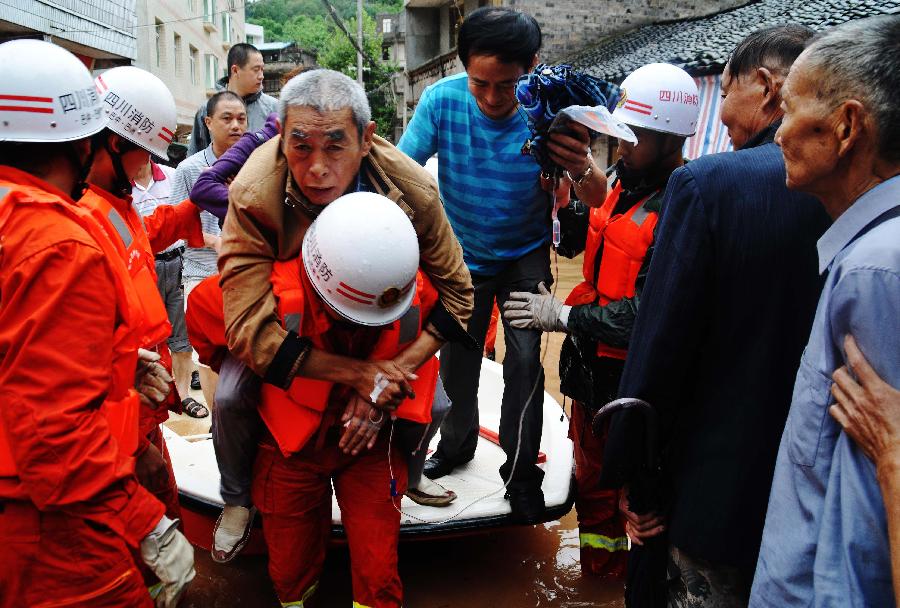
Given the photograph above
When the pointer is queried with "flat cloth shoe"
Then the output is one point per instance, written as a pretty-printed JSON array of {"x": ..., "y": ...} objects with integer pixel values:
[
  {"x": 232, "y": 532},
  {"x": 194, "y": 408},
  {"x": 431, "y": 494}
]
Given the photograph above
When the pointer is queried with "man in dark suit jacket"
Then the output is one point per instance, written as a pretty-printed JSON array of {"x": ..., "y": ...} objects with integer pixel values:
[{"x": 726, "y": 311}]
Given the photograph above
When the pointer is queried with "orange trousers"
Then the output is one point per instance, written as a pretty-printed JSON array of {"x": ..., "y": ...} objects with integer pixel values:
[
  {"x": 601, "y": 527},
  {"x": 294, "y": 497},
  {"x": 51, "y": 559}
]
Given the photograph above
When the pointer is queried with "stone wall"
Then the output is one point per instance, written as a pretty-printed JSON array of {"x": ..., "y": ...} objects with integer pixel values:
[{"x": 570, "y": 26}]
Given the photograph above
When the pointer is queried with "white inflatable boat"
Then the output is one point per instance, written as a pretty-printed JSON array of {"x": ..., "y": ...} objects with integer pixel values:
[{"x": 480, "y": 503}]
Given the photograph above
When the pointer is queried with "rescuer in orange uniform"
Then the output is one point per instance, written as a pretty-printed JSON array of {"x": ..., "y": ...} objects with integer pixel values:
[
  {"x": 70, "y": 329},
  {"x": 141, "y": 113},
  {"x": 355, "y": 291},
  {"x": 660, "y": 102},
  {"x": 141, "y": 116}
]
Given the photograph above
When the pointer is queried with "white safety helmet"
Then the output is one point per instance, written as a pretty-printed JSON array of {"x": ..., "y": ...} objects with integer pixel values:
[
  {"x": 660, "y": 97},
  {"x": 140, "y": 107},
  {"x": 361, "y": 255},
  {"x": 47, "y": 94}
]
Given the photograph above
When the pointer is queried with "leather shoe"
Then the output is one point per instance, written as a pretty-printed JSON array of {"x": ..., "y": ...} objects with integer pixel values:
[
  {"x": 438, "y": 466},
  {"x": 195, "y": 380},
  {"x": 527, "y": 505}
]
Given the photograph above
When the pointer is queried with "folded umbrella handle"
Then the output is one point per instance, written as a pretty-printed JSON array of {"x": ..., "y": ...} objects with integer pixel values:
[{"x": 651, "y": 423}]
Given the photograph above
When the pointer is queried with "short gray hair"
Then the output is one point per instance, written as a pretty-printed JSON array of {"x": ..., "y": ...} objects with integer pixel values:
[
  {"x": 326, "y": 91},
  {"x": 861, "y": 60}
]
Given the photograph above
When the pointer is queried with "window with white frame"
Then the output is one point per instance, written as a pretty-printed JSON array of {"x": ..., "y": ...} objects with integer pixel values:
[
  {"x": 212, "y": 71},
  {"x": 179, "y": 52},
  {"x": 194, "y": 59},
  {"x": 159, "y": 43},
  {"x": 209, "y": 11},
  {"x": 386, "y": 26},
  {"x": 226, "y": 27}
]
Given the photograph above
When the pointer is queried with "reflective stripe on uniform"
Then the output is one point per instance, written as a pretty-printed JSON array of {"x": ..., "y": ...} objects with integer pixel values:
[
  {"x": 599, "y": 541},
  {"x": 358, "y": 605},
  {"x": 302, "y": 601},
  {"x": 121, "y": 227},
  {"x": 155, "y": 590},
  {"x": 292, "y": 322},
  {"x": 3, "y": 192},
  {"x": 640, "y": 215},
  {"x": 409, "y": 325}
]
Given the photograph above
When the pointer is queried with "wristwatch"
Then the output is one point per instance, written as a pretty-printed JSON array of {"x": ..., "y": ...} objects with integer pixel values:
[{"x": 579, "y": 179}]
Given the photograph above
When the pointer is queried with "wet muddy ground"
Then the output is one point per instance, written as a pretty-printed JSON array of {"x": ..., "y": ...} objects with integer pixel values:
[{"x": 517, "y": 567}]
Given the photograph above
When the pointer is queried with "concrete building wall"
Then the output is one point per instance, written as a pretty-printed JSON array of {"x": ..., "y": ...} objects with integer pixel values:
[
  {"x": 186, "y": 45},
  {"x": 96, "y": 29}
]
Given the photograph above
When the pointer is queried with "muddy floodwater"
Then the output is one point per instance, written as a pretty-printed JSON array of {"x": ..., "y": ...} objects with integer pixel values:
[{"x": 516, "y": 567}]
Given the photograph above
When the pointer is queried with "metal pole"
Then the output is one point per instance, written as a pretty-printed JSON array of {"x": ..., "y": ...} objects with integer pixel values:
[{"x": 359, "y": 41}]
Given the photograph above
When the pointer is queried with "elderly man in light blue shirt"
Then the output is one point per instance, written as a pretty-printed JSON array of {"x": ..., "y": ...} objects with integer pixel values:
[{"x": 825, "y": 541}]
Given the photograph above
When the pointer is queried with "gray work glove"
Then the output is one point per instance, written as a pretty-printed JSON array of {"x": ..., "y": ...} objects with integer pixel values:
[
  {"x": 526, "y": 310},
  {"x": 171, "y": 557},
  {"x": 151, "y": 379}
]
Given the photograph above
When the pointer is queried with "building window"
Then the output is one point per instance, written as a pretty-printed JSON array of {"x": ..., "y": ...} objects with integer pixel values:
[
  {"x": 212, "y": 71},
  {"x": 226, "y": 27},
  {"x": 159, "y": 43},
  {"x": 179, "y": 51},
  {"x": 385, "y": 53},
  {"x": 209, "y": 11},
  {"x": 194, "y": 58},
  {"x": 386, "y": 26},
  {"x": 191, "y": 7}
]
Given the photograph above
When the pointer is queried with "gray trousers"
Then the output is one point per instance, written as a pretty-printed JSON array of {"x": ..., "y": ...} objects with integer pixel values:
[
  {"x": 237, "y": 429},
  {"x": 461, "y": 368}
]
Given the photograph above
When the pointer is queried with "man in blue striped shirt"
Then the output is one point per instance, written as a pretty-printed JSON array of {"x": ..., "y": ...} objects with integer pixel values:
[{"x": 493, "y": 198}]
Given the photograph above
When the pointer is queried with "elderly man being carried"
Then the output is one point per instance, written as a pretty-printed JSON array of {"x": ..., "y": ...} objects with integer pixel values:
[{"x": 326, "y": 148}]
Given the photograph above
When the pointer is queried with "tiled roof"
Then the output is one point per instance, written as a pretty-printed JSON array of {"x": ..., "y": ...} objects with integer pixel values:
[{"x": 702, "y": 46}]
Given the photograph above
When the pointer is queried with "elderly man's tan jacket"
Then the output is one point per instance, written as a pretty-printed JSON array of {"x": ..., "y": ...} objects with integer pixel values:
[{"x": 267, "y": 218}]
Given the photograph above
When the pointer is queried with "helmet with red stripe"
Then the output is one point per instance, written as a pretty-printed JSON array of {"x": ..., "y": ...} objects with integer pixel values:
[
  {"x": 139, "y": 106},
  {"x": 361, "y": 256},
  {"x": 46, "y": 94},
  {"x": 660, "y": 97}
]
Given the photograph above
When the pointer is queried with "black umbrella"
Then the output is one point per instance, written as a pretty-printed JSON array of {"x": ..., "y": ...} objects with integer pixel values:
[{"x": 645, "y": 583}]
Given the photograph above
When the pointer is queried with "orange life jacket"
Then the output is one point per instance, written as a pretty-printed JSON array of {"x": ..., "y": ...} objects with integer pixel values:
[
  {"x": 133, "y": 245},
  {"x": 625, "y": 239},
  {"x": 293, "y": 416},
  {"x": 122, "y": 404}
]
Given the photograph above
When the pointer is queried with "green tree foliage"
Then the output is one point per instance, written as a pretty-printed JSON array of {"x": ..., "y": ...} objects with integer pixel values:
[
  {"x": 307, "y": 23},
  {"x": 339, "y": 54}
]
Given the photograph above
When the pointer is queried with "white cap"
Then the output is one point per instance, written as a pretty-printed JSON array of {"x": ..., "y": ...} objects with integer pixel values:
[
  {"x": 660, "y": 97},
  {"x": 140, "y": 107},
  {"x": 46, "y": 94},
  {"x": 361, "y": 255}
]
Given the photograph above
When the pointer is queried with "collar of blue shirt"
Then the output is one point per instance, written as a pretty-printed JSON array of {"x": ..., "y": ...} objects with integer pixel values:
[{"x": 857, "y": 219}]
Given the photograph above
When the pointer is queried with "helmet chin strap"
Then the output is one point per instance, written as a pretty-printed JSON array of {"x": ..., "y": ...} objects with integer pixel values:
[
  {"x": 122, "y": 183},
  {"x": 83, "y": 168}
]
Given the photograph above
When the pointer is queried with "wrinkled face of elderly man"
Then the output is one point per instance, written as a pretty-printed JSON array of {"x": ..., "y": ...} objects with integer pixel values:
[
  {"x": 811, "y": 134},
  {"x": 324, "y": 150}
]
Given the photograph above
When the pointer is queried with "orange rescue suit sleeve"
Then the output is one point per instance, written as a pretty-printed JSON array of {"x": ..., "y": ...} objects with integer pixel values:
[
  {"x": 206, "y": 322},
  {"x": 170, "y": 223},
  {"x": 56, "y": 323}
]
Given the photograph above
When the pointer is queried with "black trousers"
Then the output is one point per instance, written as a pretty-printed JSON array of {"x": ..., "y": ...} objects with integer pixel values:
[{"x": 523, "y": 376}]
